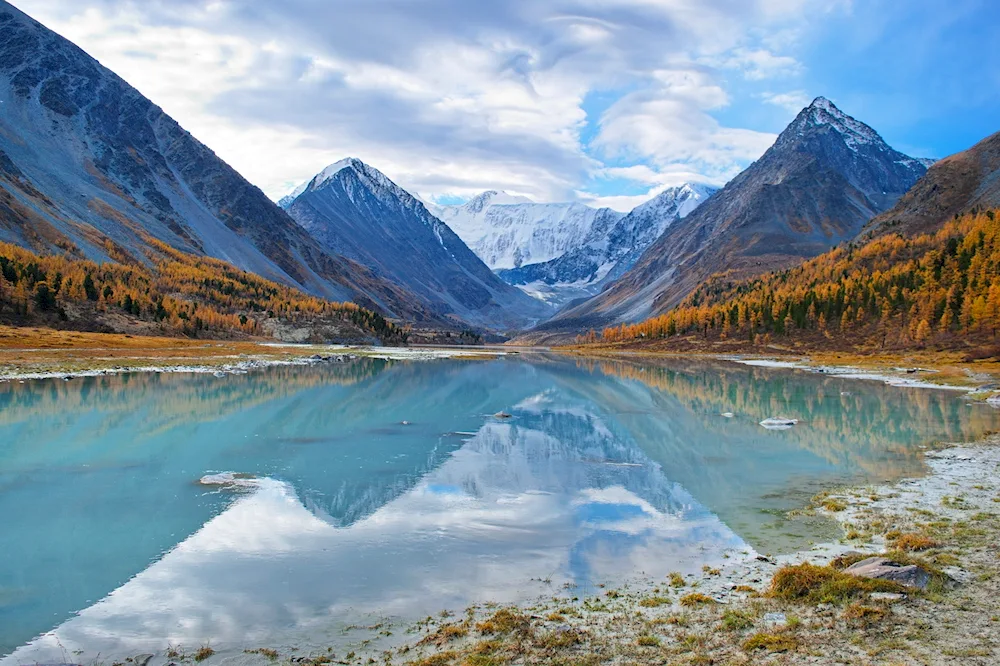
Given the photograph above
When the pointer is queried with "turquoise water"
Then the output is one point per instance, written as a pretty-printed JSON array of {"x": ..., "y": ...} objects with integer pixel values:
[{"x": 389, "y": 490}]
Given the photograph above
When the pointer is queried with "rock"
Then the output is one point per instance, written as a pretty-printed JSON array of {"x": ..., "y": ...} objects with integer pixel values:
[
  {"x": 764, "y": 558},
  {"x": 778, "y": 423},
  {"x": 883, "y": 568},
  {"x": 141, "y": 659},
  {"x": 775, "y": 620},
  {"x": 728, "y": 415},
  {"x": 958, "y": 575},
  {"x": 502, "y": 415},
  {"x": 886, "y": 596}
]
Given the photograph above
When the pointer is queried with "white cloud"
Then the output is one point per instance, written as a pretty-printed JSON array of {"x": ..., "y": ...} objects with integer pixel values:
[
  {"x": 446, "y": 97},
  {"x": 793, "y": 101}
]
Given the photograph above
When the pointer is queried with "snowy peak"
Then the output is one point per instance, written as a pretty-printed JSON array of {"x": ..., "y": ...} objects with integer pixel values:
[
  {"x": 823, "y": 113},
  {"x": 480, "y": 202},
  {"x": 509, "y": 231},
  {"x": 371, "y": 178},
  {"x": 677, "y": 201}
]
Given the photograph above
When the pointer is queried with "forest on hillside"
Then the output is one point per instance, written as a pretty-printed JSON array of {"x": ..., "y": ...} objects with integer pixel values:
[
  {"x": 937, "y": 290},
  {"x": 174, "y": 293}
]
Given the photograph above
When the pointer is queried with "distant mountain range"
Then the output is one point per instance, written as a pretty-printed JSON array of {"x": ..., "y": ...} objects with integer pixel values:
[
  {"x": 825, "y": 177},
  {"x": 355, "y": 211},
  {"x": 609, "y": 249},
  {"x": 563, "y": 251}
]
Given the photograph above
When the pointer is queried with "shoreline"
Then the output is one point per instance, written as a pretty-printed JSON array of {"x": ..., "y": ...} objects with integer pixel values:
[{"x": 225, "y": 362}]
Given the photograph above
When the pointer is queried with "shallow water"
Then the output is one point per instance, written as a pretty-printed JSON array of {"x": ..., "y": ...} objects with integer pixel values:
[{"x": 388, "y": 489}]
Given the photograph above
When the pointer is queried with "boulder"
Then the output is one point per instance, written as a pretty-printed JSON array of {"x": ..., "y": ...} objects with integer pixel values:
[{"x": 882, "y": 568}]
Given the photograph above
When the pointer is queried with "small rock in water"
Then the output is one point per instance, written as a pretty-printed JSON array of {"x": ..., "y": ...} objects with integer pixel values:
[
  {"x": 883, "y": 568},
  {"x": 775, "y": 619},
  {"x": 778, "y": 423},
  {"x": 404, "y": 423},
  {"x": 502, "y": 415},
  {"x": 141, "y": 659}
]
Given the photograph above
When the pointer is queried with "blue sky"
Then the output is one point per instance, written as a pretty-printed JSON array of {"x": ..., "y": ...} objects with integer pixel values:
[{"x": 602, "y": 101}]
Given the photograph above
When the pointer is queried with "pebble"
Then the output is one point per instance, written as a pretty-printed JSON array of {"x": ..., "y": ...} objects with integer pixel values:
[
  {"x": 886, "y": 596},
  {"x": 775, "y": 619}
]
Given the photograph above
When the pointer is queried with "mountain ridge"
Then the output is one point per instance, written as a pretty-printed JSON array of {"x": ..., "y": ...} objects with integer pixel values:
[
  {"x": 87, "y": 162},
  {"x": 355, "y": 210},
  {"x": 826, "y": 175}
]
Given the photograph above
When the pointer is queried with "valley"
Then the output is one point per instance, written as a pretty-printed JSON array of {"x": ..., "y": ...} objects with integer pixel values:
[{"x": 618, "y": 344}]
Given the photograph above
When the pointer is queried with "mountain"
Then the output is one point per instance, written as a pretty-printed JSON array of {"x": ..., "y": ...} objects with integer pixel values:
[
  {"x": 355, "y": 211},
  {"x": 953, "y": 186},
  {"x": 822, "y": 180},
  {"x": 508, "y": 231},
  {"x": 92, "y": 169},
  {"x": 611, "y": 247}
]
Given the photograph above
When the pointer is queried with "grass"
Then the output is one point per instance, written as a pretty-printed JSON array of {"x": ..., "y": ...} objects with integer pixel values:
[
  {"x": 914, "y": 542},
  {"x": 865, "y": 616},
  {"x": 736, "y": 620},
  {"x": 270, "y": 653},
  {"x": 203, "y": 653},
  {"x": 770, "y": 642},
  {"x": 816, "y": 584},
  {"x": 696, "y": 599},
  {"x": 445, "y": 634},
  {"x": 648, "y": 640},
  {"x": 654, "y": 602},
  {"x": 834, "y": 505},
  {"x": 504, "y": 621}
]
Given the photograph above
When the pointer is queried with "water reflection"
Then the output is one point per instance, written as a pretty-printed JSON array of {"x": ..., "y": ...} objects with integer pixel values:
[{"x": 373, "y": 502}]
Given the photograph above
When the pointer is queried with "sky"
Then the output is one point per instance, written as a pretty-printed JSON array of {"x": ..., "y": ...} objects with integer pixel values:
[{"x": 606, "y": 102}]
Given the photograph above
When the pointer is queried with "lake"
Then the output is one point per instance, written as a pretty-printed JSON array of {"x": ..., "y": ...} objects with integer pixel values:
[{"x": 389, "y": 490}]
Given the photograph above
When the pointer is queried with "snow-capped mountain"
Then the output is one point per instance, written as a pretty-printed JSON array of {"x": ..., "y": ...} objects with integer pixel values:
[
  {"x": 509, "y": 231},
  {"x": 356, "y": 211},
  {"x": 612, "y": 245},
  {"x": 822, "y": 180}
]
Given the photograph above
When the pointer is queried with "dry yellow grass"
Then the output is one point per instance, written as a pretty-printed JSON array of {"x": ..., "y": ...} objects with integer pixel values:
[{"x": 39, "y": 350}]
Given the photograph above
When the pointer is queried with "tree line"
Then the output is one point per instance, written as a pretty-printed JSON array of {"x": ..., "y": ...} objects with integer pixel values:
[
  {"x": 184, "y": 294},
  {"x": 938, "y": 289}
]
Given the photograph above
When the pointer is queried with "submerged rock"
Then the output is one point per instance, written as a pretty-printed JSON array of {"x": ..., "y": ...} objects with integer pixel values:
[
  {"x": 882, "y": 568},
  {"x": 502, "y": 415},
  {"x": 229, "y": 480}
]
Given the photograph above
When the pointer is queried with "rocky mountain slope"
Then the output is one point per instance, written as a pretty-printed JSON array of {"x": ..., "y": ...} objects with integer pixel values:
[
  {"x": 823, "y": 179},
  {"x": 355, "y": 211},
  {"x": 91, "y": 168},
  {"x": 609, "y": 249},
  {"x": 953, "y": 186}
]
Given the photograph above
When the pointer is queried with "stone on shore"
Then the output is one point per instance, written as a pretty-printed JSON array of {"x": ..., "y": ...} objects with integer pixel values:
[{"x": 882, "y": 568}]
